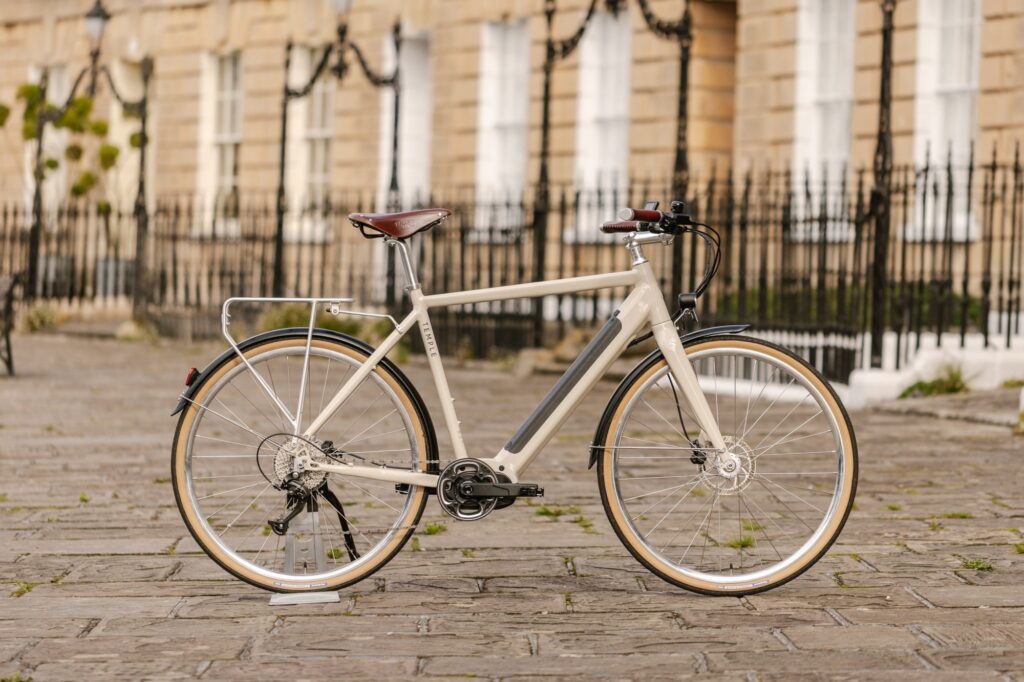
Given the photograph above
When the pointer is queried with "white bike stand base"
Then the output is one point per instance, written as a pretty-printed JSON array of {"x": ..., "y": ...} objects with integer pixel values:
[{"x": 295, "y": 598}]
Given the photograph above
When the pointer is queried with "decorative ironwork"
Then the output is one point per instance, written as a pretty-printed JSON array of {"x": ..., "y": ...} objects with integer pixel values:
[
  {"x": 47, "y": 115},
  {"x": 339, "y": 70}
]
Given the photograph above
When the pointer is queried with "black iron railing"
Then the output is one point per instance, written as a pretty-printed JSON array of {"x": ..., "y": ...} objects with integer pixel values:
[{"x": 797, "y": 257}]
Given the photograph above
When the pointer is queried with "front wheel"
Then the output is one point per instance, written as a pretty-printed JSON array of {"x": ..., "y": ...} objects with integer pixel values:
[{"x": 740, "y": 521}]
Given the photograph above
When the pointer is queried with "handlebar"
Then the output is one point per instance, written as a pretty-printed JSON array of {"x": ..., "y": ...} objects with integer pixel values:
[{"x": 674, "y": 222}]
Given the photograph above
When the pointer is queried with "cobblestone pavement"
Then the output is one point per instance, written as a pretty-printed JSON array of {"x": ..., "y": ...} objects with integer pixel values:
[{"x": 103, "y": 581}]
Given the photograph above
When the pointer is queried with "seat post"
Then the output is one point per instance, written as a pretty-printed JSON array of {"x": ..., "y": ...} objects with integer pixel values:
[{"x": 403, "y": 252}]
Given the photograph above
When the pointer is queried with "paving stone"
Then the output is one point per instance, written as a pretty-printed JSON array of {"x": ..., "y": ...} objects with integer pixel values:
[{"x": 125, "y": 593}]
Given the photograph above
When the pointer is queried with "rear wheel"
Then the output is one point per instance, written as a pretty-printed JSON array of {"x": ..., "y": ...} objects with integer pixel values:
[
  {"x": 233, "y": 478},
  {"x": 740, "y": 521}
]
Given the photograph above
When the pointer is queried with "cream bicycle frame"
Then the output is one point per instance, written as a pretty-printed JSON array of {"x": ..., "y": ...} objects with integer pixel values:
[{"x": 643, "y": 307}]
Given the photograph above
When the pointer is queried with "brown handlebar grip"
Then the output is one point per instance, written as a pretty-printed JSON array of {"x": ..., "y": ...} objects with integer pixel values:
[
  {"x": 620, "y": 226},
  {"x": 644, "y": 215}
]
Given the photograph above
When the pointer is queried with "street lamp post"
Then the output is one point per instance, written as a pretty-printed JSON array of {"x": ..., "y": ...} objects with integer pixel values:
[
  {"x": 880, "y": 200},
  {"x": 554, "y": 51},
  {"x": 95, "y": 23},
  {"x": 340, "y": 68}
]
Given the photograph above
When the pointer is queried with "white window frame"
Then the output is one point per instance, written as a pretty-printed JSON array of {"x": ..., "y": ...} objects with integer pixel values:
[
  {"x": 823, "y": 115},
  {"x": 502, "y": 124},
  {"x": 227, "y": 135},
  {"x": 123, "y": 178},
  {"x": 601, "y": 166},
  {"x": 214, "y": 142},
  {"x": 309, "y": 152},
  {"x": 947, "y": 78},
  {"x": 415, "y": 125}
]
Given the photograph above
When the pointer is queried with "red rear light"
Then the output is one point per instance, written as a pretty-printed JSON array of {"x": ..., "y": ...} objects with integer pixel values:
[{"x": 191, "y": 376}]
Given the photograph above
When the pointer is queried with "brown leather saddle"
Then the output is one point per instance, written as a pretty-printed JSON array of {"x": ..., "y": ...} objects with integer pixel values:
[{"x": 398, "y": 225}]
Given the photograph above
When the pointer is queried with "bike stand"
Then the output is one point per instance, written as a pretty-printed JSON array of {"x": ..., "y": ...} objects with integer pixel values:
[
  {"x": 303, "y": 540},
  {"x": 297, "y": 598}
]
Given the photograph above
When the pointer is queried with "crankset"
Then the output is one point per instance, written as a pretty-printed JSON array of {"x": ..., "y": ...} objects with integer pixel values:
[{"x": 469, "y": 490}]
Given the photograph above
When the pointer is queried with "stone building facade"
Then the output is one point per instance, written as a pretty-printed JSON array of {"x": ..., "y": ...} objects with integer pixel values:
[{"x": 771, "y": 82}]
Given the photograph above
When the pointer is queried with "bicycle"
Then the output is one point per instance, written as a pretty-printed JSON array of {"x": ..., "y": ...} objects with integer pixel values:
[{"x": 303, "y": 458}]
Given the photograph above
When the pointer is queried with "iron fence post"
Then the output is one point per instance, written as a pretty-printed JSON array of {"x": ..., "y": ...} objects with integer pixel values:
[
  {"x": 140, "y": 284},
  {"x": 882, "y": 168},
  {"x": 277, "y": 288},
  {"x": 37, "y": 194}
]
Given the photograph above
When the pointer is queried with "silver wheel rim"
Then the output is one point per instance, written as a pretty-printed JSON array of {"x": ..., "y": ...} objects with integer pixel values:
[
  {"x": 365, "y": 426},
  {"x": 749, "y": 543}
]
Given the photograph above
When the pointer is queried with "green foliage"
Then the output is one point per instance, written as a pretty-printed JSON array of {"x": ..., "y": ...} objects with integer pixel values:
[
  {"x": 894, "y": 506},
  {"x": 950, "y": 381},
  {"x": 752, "y": 526},
  {"x": 1009, "y": 383},
  {"x": 975, "y": 564},
  {"x": 468, "y": 553},
  {"x": 108, "y": 156},
  {"x": 83, "y": 498},
  {"x": 5, "y": 113},
  {"x": 415, "y": 545},
  {"x": 23, "y": 588},
  {"x": 73, "y": 152},
  {"x": 555, "y": 511},
  {"x": 586, "y": 524},
  {"x": 99, "y": 128},
  {"x": 335, "y": 553},
  {"x": 85, "y": 182},
  {"x": 135, "y": 140},
  {"x": 30, "y": 93},
  {"x": 954, "y": 515},
  {"x": 104, "y": 209},
  {"x": 40, "y": 318},
  {"x": 76, "y": 117},
  {"x": 1019, "y": 547},
  {"x": 297, "y": 315},
  {"x": 51, "y": 164},
  {"x": 434, "y": 528},
  {"x": 16, "y": 677},
  {"x": 742, "y": 542}
]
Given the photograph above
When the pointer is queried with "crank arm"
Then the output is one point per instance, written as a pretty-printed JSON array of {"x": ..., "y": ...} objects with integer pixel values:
[{"x": 479, "y": 489}]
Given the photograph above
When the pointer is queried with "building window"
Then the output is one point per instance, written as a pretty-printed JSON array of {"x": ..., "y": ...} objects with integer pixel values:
[
  {"x": 945, "y": 124},
  {"x": 501, "y": 149},
  {"x": 602, "y": 121},
  {"x": 318, "y": 134},
  {"x": 414, "y": 124},
  {"x": 825, "y": 64},
  {"x": 227, "y": 138}
]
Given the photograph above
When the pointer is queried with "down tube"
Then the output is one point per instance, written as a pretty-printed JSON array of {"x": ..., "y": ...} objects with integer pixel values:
[{"x": 575, "y": 384}]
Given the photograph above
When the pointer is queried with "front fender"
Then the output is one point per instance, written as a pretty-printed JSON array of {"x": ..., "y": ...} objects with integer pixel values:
[{"x": 688, "y": 338}]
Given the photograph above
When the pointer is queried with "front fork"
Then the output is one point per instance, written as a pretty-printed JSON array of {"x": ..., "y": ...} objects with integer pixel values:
[{"x": 667, "y": 336}]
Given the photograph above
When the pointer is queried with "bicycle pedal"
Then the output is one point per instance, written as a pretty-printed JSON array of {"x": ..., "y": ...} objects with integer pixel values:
[{"x": 480, "y": 489}]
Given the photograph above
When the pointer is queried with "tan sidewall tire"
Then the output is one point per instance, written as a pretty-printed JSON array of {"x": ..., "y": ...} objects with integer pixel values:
[
  {"x": 210, "y": 546},
  {"x": 618, "y": 517}
]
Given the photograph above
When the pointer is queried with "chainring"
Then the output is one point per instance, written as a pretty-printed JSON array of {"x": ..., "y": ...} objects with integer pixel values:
[{"x": 453, "y": 502}]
